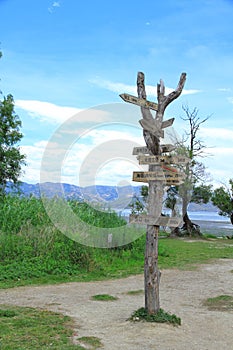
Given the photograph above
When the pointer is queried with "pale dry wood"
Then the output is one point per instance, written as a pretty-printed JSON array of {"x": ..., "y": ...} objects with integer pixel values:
[{"x": 155, "y": 191}]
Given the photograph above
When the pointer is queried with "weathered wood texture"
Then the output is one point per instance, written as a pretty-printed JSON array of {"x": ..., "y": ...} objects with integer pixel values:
[{"x": 155, "y": 192}]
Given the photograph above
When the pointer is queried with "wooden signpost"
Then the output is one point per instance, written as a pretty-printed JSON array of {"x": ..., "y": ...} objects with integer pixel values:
[
  {"x": 164, "y": 177},
  {"x": 139, "y": 101},
  {"x": 150, "y": 125},
  {"x": 143, "y": 159},
  {"x": 145, "y": 150},
  {"x": 157, "y": 177},
  {"x": 150, "y": 220}
]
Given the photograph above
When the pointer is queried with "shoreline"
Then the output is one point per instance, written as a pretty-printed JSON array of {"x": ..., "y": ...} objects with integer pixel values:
[{"x": 218, "y": 228}]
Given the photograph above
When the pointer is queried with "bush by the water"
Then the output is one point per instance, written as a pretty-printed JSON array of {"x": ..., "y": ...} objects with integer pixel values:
[
  {"x": 33, "y": 250},
  {"x": 32, "y": 247}
]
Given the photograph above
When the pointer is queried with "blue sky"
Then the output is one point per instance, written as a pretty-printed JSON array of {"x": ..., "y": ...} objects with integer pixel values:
[{"x": 61, "y": 58}]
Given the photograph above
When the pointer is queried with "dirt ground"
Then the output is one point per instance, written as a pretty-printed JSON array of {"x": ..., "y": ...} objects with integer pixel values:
[{"x": 181, "y": 292}]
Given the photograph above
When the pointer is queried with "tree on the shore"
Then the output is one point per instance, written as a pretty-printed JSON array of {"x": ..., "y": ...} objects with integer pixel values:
[
  {"x": 11, "y": 159},
  {"x": 222, "y": 198},
  {"x": 201, "y": 194},
  {"x": 194, "y": 188}
]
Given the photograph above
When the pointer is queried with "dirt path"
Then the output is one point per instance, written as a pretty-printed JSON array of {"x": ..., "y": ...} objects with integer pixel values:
[{"x": 181, "y": 292}]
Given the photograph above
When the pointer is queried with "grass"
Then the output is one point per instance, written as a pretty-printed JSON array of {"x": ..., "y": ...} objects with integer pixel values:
[
  {"x": 160, "y": 317},
  {"x": 135, "y": 292},
  {"x": 103, "y": 297},
  {"x": 91, "y": 342},
  {"x": 33, "y": 251},
  {"x": 28, "y": 328},
  {"x": 220, "y": 303}
]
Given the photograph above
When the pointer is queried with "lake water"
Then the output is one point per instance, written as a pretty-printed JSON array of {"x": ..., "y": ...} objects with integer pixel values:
[{"x": 209, "y": 222}]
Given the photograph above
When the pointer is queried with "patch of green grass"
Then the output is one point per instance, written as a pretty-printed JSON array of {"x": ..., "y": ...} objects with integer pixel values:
[
  {"x": 160, "y": 317},
  {"x": 92, "y": 342},
  {"x": 135, "y": 292},
  {"x": 220, "y": 303},
  {"x": 7, "y": 313},
  {"x": 209, "y": 235},
  {"x": 185, "y": 253},
  {"x": 104, "y": 297},
  {"x": 33, "y": 251},
  {"x": 28, "y": 328},
  {"x": 71, "y": 262}
]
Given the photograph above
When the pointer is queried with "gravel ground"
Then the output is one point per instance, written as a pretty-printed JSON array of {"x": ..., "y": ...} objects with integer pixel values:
[{"x": 181, "y": 292}]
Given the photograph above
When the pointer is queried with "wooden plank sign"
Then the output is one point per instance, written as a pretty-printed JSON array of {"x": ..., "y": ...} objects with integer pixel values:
[
  {"x": 150, "y": 126},
  {"x": 169, "y": 168},
  {"x": 160, "y": 221},
  {"x": 145, "y": 176},
  {"x": 140, "y": 150},
  {"x": 166, "y": 176},
  {"x": 173, "y": 182},
  {"x": 164, "y": 148},
  {"x": 167, "y": 123},
  {"x": 167, "y": 148},
  {"x": 144, "y": 159},
  {"x": 139, "y": 101}
]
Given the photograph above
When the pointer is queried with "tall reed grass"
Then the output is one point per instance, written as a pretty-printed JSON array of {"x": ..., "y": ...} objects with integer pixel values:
[{"x": 32, "y": 247}]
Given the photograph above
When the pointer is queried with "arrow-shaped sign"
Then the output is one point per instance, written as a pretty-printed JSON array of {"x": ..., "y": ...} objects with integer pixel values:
[
  {"x": 139, "y": 101},
  {"x": 160, "y": 221},
  {"x": 150, "y": 126},
  {"x": 164, "y": 148},
  {"x": 167, "y": 123},
  {"x": 166, "y": 176},
  {"x": 144, "y": 159},
  {"x": 140, "y": 150},
  {"x": 167, "y": 148},
  {"x": 169, "y": 168}
]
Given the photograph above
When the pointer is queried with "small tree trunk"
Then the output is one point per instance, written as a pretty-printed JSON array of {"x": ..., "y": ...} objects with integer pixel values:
[
  {"x": 151, "y": 270},
  {"x": 189, "y": 227}
]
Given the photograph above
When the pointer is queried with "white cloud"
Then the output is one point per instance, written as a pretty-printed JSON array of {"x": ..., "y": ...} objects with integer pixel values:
[
  {"x": 54, "y": 5},
  {"x": 217, "y": 134},
  {"x": 47, "y": 111},
  {"x": 55, "y": 114},
  {"x": 132, "y": 89},
  {"x": 89, "y": 157},
  {"x": 230, "y": 99},
  {"x": 224, "y": 89}
]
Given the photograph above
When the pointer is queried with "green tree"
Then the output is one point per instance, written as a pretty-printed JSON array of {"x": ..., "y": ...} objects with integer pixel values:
[
  {"x": 222, "y": 198},
  {"x": 11, "y": 159}
]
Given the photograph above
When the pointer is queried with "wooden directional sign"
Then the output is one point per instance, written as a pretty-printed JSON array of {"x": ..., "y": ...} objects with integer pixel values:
[
  {"x": 168, "y": 174},
  {"x": 144, "y": 150},
  {"x": 150, "y": 126},
  {"x": 139, "y": 101},
  {"x": 140, "y": 150},
  {"x": 173, "y": 182},
  {"x": 144, "y": 159},
  {"x": 145, "y": 176},
  {"x": 167, "y": 148},
  {"x": 167, "y": 123},
  {"x": 170, "y": 168},
  {"x": 160, "y": 221},
  {"x": 167, "y": 177}
]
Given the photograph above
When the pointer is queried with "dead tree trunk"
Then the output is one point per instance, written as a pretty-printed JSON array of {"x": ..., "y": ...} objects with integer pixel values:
[{"x": 155, "y": 193}]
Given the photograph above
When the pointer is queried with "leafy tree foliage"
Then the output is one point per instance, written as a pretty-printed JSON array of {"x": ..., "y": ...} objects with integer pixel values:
[
  {"x": 223, "y": 199},
  {"x": 11, "y": 159},
  {"x": 201, "y": 194}
]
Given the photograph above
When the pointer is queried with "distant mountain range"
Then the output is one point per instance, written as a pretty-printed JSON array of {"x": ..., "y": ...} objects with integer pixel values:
[
  {"x": 97, "y": 193},
  {"x": 90, "y": 193}
]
